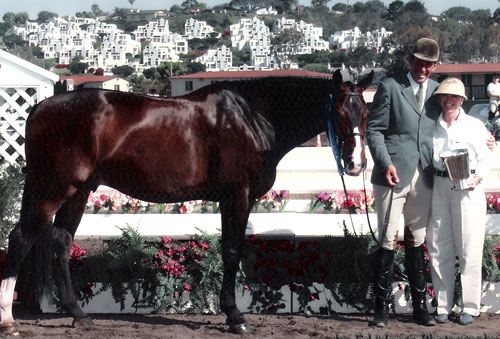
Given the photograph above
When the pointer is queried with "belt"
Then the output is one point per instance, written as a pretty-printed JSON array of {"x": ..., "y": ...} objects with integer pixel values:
[{"x": 444, "y": 174}]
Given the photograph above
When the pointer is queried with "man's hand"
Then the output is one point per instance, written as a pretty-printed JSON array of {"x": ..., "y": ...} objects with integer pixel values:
[{"x": 391, "y": 175}]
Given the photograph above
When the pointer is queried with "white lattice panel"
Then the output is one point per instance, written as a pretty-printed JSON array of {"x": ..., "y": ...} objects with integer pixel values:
[{"x": 15, "y": 105}]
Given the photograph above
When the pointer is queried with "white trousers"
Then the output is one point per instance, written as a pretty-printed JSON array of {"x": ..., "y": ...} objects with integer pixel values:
[
  {"x": 494, "y": 104},
  {"x": 456, "y": 228},
  {"x": 413, "y": 201}
]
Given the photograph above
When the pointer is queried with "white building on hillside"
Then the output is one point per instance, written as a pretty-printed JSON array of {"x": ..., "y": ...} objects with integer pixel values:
[
  {"x": 197, "y": 29},
  {"x": 266, "y": 11},
  {"x": 220, "y": 59},
  {"x": 249, "y": 33},
  {"x": 350, "y": 39}
]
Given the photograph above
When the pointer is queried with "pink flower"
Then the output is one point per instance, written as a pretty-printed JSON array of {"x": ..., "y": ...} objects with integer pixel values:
[
  {"x": 204, "y": 246},
  {"x": 166, "y": 240},
  {"x": 187, "y": 287},
  {"x": 323, "y": 196}
]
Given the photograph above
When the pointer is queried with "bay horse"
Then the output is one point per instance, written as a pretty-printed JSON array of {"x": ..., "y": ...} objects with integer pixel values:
[{"x": 220, "y": 143}]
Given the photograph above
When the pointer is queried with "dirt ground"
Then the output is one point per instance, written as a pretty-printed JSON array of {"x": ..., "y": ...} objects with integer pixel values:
[{"x": 263, "y": 326}]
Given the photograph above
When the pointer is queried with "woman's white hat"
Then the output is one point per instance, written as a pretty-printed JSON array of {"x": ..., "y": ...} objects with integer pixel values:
[{"x": 452, "y": 86}]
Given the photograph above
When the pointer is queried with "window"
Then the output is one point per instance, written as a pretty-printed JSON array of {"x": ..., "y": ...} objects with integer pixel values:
[
  {"x": 189, "y": 86},
  {"x": 117, "y": 87}
]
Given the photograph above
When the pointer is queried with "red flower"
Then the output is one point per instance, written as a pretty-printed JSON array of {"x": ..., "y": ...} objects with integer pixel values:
[
  {"x": 76, "y": 251},
  {"x": 204, "y": 246},
  {"x": 182, "y": 209},
  {"x": 166, "y": 240},
  {"x": 314, "y": 296},
  {"x": 187, "y": 287},
  {"x": 252, "y": 238}
]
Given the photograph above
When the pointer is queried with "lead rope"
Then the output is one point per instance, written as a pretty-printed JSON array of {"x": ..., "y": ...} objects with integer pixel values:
[{"x": 332, "y": 138}]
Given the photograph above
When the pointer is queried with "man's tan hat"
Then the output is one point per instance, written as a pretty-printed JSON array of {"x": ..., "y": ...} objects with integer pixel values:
[
  {"x": 426, "y": 49},
  {"x": 452, "y": 86}
]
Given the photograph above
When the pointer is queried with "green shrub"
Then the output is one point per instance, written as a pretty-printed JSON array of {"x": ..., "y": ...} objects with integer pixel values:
[{"x": 11, "y": 184}]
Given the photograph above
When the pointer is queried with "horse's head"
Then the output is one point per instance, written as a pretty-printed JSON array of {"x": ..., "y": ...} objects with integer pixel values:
[{"x": 350, "y": 116}]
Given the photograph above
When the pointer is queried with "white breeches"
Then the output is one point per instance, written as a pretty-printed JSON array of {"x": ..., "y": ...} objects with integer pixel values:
[
  {"x": 413, "y": 201},
  {"x": 456, "y": 228}
]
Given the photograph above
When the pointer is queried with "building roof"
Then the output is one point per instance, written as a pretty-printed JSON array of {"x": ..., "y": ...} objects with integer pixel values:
[
  {"x": 254, "y": 74},
  {"x": 467, "y": 68},
  {"x": 27, "y": 66},
  {"x": 83, "y": 79}
]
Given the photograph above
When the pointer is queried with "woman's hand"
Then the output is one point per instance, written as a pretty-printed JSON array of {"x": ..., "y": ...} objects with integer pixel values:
[{"x": 474, "y": 182}]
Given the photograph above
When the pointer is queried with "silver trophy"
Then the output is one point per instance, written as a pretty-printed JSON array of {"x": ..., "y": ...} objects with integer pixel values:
[{"x": 457, "y": 165}]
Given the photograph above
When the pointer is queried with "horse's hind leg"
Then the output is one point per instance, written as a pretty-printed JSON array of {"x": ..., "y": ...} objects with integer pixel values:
[
  {"x": 234, "y": 214},
  {"x": 36, "y": 216},
  {"x": 67, "y": 219}
]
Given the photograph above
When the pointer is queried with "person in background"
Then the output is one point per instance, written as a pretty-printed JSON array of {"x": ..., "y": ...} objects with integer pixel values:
[
  {"x": 493, "y": 92},
  {"x": 399, "y": 134},
  {"x": 458, "y": 216}
]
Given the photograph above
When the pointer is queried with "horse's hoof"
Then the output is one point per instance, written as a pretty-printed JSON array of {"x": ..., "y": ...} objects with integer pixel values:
[
  {"x": 239, "y": 329},
  {"x": 85, "y": 323},
  {"x": 9, "y": 330}
]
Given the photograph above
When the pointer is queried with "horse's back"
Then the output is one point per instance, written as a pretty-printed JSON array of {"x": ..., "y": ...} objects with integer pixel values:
[{"x": 126, "y": 140}]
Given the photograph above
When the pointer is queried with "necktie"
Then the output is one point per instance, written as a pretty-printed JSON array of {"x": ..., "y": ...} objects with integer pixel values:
[{"x": 420, "y": 96}]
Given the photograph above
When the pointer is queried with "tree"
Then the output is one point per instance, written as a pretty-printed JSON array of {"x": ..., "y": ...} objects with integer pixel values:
[
  {"x": 341, "y": 7},
  {"x": 175, "y": 9},
  {"x": 285, "y": 45},
  {"x": 458, "y": 13},
  {"x": 76, "y": 66},
  {"x": 9, "y": 18},
  {"x": 15, "y": 18},
  {"x": 131, "y": 2},
  {"x": 13, "y": 40},
  {"x": 394, "y": 10},
  {"x": 195, "y": 67},
  {"x": 45, "y": 16},
  {"x": 242, "y": 57},
  {"x": 248, "y": 5},
  {"x": 319, "y": 5},
  {"x": 187, "y": 5},
  {"x": 123, "y": 71},
  {"x": 285, "y": 6},
  {"x": 97, "y": 10}
]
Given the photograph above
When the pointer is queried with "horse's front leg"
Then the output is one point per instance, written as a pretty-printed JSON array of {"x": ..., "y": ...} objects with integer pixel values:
[{"x": 234, "y": 213}]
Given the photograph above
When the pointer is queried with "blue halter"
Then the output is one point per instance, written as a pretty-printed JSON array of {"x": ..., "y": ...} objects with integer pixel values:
[{"x": 332, "y": 137}]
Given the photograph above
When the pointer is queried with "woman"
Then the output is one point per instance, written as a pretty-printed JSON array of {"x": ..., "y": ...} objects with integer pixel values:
[{"x": 457, "y": 224}]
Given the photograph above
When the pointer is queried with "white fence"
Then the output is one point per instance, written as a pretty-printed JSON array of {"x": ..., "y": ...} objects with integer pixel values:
[{"x": 303, "y": 170}]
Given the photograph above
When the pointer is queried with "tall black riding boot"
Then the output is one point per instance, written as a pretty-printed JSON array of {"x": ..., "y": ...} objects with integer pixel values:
[
  {"x": 415, "y": 269},
  {"x": 491, "y": 116},
  {"x": 382, "y": 287}
]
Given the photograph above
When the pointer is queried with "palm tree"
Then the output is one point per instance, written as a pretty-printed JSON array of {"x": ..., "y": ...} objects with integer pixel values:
[{"x": 131, "y": 2}]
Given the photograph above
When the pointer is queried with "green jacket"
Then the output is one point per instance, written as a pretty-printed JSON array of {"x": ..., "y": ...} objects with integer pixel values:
[{"x": 397, "y": 133}]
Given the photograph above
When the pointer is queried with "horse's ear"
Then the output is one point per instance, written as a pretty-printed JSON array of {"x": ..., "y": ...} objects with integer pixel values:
[
  {"x": 337, "y": 77},
  {"x": 366, "y": 81}
]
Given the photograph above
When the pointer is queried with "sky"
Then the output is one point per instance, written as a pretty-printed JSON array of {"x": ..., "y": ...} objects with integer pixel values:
[{"x": 66, "y": 7}]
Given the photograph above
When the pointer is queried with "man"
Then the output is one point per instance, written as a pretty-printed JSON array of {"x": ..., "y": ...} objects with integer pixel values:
[
  {"x": 399, "y": 135},
  {"x": 493, "y": 92}
]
